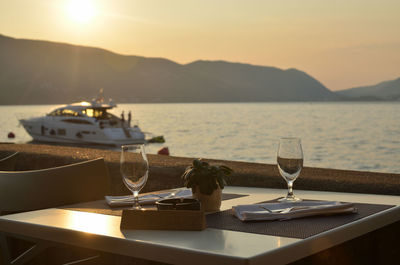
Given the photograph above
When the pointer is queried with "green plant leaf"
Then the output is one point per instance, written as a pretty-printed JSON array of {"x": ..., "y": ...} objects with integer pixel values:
[{"x": 207, "y": 177}]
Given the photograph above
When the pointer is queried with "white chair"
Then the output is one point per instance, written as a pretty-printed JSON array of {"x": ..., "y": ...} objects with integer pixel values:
[
  {"x": 8, "y": 163},
  {"x": 45, "y": 188}
]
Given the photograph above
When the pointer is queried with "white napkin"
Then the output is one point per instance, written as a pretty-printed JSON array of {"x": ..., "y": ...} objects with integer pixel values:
[
  {"x": 290, "y": 210},
  {"x": 147, "y": 199}
]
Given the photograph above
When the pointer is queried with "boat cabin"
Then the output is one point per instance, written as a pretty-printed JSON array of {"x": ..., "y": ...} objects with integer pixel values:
[{"x": 85, "y": 109}]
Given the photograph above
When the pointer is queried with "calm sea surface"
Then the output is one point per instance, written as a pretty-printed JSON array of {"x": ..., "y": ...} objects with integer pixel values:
[{"x": 356, "y": 136}]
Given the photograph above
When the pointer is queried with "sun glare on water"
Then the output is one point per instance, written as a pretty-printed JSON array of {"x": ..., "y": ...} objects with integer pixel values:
[{"x": 81, "y": 10}]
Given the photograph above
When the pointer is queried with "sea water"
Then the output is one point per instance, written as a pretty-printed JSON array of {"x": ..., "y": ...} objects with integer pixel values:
[{"x": 357, "y": 136}]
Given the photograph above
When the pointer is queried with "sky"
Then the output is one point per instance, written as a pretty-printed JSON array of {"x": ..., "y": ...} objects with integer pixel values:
[{"x": 341, "y": 43}]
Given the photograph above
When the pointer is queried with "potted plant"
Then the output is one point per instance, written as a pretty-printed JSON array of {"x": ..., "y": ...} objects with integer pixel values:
[{"x": 206, "y": 182}]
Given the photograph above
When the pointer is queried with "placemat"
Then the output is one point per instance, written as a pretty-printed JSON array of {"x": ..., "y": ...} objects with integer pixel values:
[
  {"x": 294, "y": 228},
  {"x": 102, "y": 207}
]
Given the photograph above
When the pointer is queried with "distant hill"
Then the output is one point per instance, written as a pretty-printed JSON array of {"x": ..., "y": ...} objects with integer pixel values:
[
  {"x": 42, "y": 72},
  {"x": 388, "y": 90}
]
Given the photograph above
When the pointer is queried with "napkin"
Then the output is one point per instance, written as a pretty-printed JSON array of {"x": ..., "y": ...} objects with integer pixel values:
[
  {"x": 147, "y": 199},
  {"x": 290, "y": 210}
]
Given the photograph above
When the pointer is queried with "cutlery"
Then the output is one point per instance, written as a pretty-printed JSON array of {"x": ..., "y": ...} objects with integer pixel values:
[
  {"x": 173, "y": 193},
  {"x": 285, "y": 210}
]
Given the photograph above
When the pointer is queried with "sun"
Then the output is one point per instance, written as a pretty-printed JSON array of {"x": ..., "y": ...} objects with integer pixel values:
[{"x": 81, "y": 10}]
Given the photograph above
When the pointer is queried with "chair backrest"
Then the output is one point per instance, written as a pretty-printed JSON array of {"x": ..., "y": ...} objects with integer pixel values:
[
  {"x": 52, "y": 187},
  {"x": 8, "y": 163}
]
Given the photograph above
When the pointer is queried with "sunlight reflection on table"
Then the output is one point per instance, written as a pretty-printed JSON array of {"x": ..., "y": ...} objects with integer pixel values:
[{"x": 91, "y": 223}]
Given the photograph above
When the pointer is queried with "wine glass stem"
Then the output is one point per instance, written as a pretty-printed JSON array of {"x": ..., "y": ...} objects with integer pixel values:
[
  {"x": 290, "y": 189},
  {"x": 136, "y": 196}
]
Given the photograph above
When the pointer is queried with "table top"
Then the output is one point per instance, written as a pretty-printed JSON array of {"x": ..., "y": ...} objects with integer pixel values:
[{"x": 102, "y": 232}]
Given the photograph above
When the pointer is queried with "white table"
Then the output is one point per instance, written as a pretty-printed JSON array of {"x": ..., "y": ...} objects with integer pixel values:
[{"x": 214, "y": 246}]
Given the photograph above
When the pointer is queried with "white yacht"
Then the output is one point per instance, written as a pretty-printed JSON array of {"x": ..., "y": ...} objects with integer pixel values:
[{"x": 84, "y": 123}]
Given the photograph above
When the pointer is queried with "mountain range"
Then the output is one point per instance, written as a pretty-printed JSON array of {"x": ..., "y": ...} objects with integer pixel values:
[
  {"x": 43, "y": 72},
  {"x": 388, "y": 90}
]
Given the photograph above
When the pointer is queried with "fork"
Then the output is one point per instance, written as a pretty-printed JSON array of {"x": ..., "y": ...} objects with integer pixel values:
[
  {"x": 286, "y": 210},
  {"x": 171, "y": 195}
]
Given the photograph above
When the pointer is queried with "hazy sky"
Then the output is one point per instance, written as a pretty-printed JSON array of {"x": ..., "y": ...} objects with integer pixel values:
[{"x": 341, "y": 43}]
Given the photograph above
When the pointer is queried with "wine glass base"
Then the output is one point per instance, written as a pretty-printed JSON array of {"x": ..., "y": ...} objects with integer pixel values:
[{"x": 290, "y": 199}]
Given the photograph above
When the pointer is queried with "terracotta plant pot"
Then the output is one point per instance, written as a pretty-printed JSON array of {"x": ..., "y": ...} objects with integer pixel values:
[{"x": 209, "y": 203}]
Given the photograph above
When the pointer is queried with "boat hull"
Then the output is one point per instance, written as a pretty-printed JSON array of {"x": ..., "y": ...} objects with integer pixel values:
[{"x": 51, "y": 129}]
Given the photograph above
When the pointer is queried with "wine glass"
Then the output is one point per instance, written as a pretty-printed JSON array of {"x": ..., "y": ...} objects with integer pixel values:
[
  {"x": 134, "y": 168},
  {"x": 290, "y": 163}
]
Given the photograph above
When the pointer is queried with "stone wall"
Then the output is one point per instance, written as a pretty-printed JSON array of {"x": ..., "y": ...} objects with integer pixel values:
[{"x": 165, "y": 171}]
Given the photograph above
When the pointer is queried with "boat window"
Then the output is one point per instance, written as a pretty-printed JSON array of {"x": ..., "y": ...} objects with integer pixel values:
[
  {"x": 88, "y": 112},
  {"x": 64, "y": 112},
  {"x": 96, "y": 113},
  {"x": 56, "y": 112},
  {"x": 77, "y": 121},
  {"x": 61, "y": 131}
]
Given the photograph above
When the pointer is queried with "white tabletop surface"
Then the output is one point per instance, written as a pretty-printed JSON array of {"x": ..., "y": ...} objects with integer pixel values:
[{"x": 102, "y": 232}]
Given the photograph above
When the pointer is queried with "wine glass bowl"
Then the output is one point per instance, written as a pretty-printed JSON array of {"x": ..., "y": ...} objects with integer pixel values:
[
  {"x": 134, "y": 168},
  {"x": 290, "y": 163}
]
